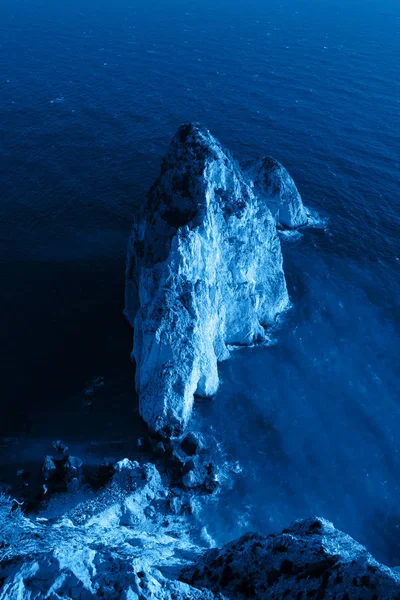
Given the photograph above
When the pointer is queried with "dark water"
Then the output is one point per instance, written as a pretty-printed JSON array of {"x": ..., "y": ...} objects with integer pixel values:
[{"x": 90, "y": 94}]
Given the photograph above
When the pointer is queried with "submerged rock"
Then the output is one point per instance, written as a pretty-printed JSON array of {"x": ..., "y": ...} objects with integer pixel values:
[
  {"x": 274, "y": 185},
  {"x": 312, "y": 559},
  {"x": 204, "y": 271}
]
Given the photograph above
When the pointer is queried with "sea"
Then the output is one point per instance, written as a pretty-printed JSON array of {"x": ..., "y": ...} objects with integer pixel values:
[{"x": 90, "y": 95}]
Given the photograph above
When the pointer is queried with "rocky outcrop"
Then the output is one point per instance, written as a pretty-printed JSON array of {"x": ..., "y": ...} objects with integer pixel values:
[
  {"x": 96, "y": 575},
  {"x": 138, "y": 541},
  {"x": 204, "y": 272},
  {"x": 273, "y": 184},
  {"x": 113, "y": 546},
  {"x": 312, "y": 559}
]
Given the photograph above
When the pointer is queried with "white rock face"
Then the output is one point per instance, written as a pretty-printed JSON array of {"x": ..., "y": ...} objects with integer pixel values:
[
  {"x": 273, "y": 184},
  {"x": 103, "y": 548},
  {"x": 111, "y": 546},
  {"x": 204, "y": 271}
]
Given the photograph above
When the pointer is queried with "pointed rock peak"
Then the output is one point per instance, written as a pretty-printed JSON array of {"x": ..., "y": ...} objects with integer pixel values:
[
  {"x": 195, "y": 162},
  {"x": 192, "y": 132},
  {"x": 195, "y": 136},
  {"x": 270, "y": 164},
  {"x": 273, "y": 184},
  {"x": 192, "y": 145}
]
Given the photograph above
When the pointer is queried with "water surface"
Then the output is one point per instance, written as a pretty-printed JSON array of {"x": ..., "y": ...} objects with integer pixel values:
[{"x": 90, "y": 95}]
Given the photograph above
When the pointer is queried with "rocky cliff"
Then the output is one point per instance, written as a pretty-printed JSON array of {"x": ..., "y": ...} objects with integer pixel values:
[
  {"x": 139, "y": 540},
  {"x": 204, "y": 272}
]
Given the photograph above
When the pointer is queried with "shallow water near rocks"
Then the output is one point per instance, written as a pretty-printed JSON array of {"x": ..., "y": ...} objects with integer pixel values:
[
  {"x": 313, "y": 420},
  {"x": 90, "y": 97}
]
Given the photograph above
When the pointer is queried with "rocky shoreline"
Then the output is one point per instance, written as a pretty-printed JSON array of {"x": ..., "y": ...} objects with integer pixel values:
[
  {"x": 140, "y": 538},
  {"x": 204, "y": 274}
]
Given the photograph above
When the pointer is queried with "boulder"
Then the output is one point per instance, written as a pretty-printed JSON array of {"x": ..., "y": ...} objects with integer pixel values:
[
  {"x": 73, "y": 468},
  {"x": 192, "y": 443}
]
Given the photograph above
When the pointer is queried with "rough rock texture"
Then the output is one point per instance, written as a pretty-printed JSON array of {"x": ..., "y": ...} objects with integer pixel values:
[
  {"x": 125, "y": 544},
  {"x": 273, "y": 184},
  {"x": 204, "y": 271},
  {"x": 312, "y": 559},
  {"x": 133, "y": 542}
]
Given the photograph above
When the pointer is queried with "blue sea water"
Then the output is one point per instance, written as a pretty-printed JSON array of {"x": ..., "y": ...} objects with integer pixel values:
[{"x": 90, "y": 95}]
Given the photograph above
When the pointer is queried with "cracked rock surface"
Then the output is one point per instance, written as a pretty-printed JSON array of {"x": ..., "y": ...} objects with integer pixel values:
[
  {"x": 311, "y": 559},
  {"x": 114, "y": 546},
  {"x": 204, "y": 272},
  {"x": 133, "y": 543}
]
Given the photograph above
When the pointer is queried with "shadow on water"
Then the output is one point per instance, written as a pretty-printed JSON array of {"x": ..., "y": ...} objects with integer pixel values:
[
  {"x": 74, "y": 331},
  {"x": 386, "y": 531},
  {"x": 314, "y": 420}
]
